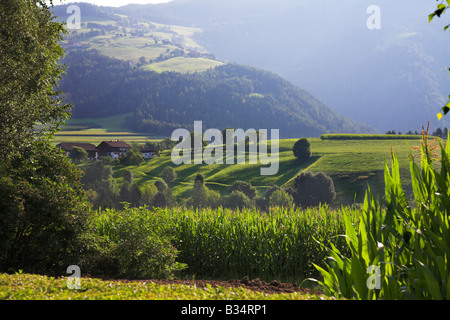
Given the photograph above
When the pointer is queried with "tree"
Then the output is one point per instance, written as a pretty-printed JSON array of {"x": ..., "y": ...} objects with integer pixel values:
[
  {"x": 43, "y": 207},
  {"x": 96, "y": 171},
  {"x": 168, "y": 175},
  {"x": 199, "y": 177},
  {"x": 148, "y": 194},
  {"x": 29, "y": 72},
  {"x": 131, "y": 194},
  {"x": 78, "y": 155},
  {"x": 237, "y": 200},
  {"x": 438, "y": 133},
  {"x": 302, "y": 149},
  {"x": 441, "y": 9},
  {"x": 128, "y": 176},
  {"x": 281, "y": 198},
  {"x": 244, "y": 187},
  {"x": 163, "y": 197},
  {"x": 213, "y": 199},
  {"x": 142, "y": 62},
  {"x": 133, "y": 157},
  {"x": 203, "y": 197},
  {"x": 199, "y": 194},
  {"x": 313, "y": 189}
]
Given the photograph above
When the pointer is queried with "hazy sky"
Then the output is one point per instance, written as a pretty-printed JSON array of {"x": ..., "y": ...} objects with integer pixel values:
[{"x": 111, "y": 3}]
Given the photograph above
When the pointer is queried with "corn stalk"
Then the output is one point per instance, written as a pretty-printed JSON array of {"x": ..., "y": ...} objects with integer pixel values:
[{"x": 408, "y": 245}]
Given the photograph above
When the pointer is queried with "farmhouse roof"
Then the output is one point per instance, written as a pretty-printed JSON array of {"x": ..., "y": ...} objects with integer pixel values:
[
  {"x": 68, "y": 146},
  {"x": 116, "y": 144}
]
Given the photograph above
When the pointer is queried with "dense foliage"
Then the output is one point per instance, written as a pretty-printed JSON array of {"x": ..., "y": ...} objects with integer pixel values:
[
  {"x": 131, "y": 243},
  {"x": 311, "y": 189},
  {"x": 229, "y": 96},
  {"x": 42, "y": 204},
  {"x": 406, "y": 241},
  {"x": 441, "y": 9}
]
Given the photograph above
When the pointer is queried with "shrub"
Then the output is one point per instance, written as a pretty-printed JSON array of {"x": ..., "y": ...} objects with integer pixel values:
[
  {"x": 168, "y": 175},
  {"x": 237, "y": 200},
  {"x": 43, "y": 210},
  {"x": 244, "y": 187},
  {"x": 78, "y": 155},
  {"x": 312, "y": 189},
  {"x": 131, "y": 243},
  {"x": 281, "y": 198},
  {"x": 302, "y": 149}
]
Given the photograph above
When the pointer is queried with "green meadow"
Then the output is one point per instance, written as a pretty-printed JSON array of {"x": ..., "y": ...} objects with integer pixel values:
[
  {"x": 352, "y": 164},
  {"x": 160, "y": 40},
  {"x": 96, "y": 130},
  {"x": 183, "y": 64}
]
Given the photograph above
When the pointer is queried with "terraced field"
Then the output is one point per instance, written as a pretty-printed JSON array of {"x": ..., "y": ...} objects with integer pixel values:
[{"x": 352, "y": 164}]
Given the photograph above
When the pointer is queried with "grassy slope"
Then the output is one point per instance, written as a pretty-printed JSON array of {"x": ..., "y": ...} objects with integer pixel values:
[
  {"x": 131, "y": 48},
  {"x": 352, "y": 164},
  {"x": 183, "y": 64}
]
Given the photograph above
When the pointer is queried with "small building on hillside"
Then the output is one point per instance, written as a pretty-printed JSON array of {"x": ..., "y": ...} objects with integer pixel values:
[
  {"x": 114, "y": 149},
  {"x": 149, "y": 152},
  {"x": 90, "y": 148}
]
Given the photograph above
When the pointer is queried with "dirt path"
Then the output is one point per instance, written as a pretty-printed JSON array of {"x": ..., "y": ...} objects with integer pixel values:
[{"x": 273, "y": 287}]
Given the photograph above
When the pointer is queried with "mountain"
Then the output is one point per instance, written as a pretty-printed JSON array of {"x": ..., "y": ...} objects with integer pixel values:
[
  {"x": 117, "y": 65},
  {"x": 391, "y": 78},
  {"x": 227, "y": 96}
]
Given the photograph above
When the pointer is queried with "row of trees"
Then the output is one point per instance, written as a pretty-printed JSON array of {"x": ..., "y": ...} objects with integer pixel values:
[
  {"x": 309, "y": 190},
  {"x": 439, "y": 132},
  {"x": 104, "y": 191}
]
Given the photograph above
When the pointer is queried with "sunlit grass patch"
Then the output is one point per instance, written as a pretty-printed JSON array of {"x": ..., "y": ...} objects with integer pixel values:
[{"x": 36, "y": 287}]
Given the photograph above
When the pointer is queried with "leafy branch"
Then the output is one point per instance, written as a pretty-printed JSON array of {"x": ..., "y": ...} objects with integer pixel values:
[{"x": 441, "y": 8}]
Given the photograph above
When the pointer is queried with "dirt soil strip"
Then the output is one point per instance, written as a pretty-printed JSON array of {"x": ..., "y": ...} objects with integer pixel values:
[{"x": 274, "y": 287}]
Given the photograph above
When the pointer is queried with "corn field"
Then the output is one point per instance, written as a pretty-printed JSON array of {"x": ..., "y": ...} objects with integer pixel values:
[{"x": 281, "y": 244}]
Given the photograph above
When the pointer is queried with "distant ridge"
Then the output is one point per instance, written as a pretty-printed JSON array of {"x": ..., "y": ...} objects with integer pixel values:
[{"x": 230, "y": 95}]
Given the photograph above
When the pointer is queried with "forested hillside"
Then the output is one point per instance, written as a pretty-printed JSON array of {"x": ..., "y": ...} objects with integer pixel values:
[
  {"x": 395, "y": 77},
  {"x": 227, "y": 96}
]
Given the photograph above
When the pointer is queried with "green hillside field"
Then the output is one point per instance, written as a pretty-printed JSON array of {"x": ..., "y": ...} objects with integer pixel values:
[
  {"x": 164, "y": 47},
  {"x": 352, "y": 164}
]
